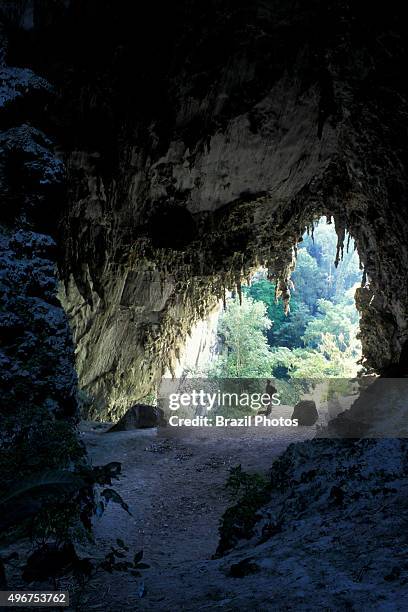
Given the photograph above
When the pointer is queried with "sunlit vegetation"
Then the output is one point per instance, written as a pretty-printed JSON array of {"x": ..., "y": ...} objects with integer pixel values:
[{"x": 317, "y": 338}]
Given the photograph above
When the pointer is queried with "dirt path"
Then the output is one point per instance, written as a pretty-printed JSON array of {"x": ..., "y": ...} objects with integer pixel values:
[{"x": 175, "y": 489}]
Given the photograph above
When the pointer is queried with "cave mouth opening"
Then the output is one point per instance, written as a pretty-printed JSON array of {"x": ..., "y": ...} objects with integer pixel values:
[
  {"x": 302, "y": 347},
  {"x": 180, "y": 323},
  {"x": 315, "y": 334}
]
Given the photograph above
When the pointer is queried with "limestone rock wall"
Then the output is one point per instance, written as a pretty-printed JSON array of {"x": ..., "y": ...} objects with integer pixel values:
[{"x": 200, "y": 347}]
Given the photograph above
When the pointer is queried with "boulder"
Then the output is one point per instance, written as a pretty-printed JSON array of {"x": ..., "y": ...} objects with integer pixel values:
[
  {"x": 305, "y": 412},
  {"x": 140, "y": 416}
]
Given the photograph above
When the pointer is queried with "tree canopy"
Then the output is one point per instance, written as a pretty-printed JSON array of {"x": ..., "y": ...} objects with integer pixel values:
[
  {"x": 318, "y": 338},
  {"x": 242, "y": 328}
]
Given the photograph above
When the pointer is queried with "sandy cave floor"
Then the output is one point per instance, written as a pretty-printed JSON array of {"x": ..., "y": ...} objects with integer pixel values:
[{"x": 175, "y": 488}]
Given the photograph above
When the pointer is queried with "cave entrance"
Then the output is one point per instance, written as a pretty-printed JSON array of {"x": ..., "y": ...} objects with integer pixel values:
[
  {"x": 254, "y": 335},
  {"x": 302, "y": 347},
  {"x": 317, "y": 336}
]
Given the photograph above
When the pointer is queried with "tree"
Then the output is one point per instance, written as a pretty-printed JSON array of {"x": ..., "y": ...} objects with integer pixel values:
[
  {"x": 339, "y": 320},
  {"x": 323, "y": 248},
  {"x": 310, "y": 282},
  {"x": 286, "y": 330},
  {"x": 290, "y": 333},
  {"x": 246, "y": 353},
  {"x": 317, "y": 339}
]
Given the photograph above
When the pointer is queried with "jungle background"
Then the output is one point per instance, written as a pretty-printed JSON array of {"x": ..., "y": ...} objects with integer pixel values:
[{"x": 316, "y": 339}]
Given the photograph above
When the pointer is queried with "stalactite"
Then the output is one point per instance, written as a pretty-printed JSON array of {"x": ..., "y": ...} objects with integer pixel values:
[
  {"x": 348, "y": 243},
  {"x": 341, "y": 234}
]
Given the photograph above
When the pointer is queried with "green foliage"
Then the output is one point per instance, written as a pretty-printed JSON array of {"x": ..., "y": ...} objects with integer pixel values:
[
  {"x": 42, "y": 484},
  {"x": 45, "y": 506},
  {"x": 57, "y": 504},
  {"x": 39, "y": 492},
  {"x": 252, "y": 492},
  {"x": 113, "y": 496},
  {"x": 46, "y": 443},
  {"x": 328, "y": 361},
  {"x": 323, "y": 248},
  {"x": 310, "y": 282},
  {"x": 246, "y": 352},
  {"x": 317, "y": 339},
  {"x": 290, "y": 333},
  {"x": 116, "y": 560},
  {"x": 285, "y": 330},
  {"x": 334, "y": 319},
  {"x": 53, "y": 560},
  {"x": 239, "y": 481}
]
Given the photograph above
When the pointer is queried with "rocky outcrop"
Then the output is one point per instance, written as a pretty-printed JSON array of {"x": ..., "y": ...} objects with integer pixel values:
[
  {"x": 306, "y": 413},
  {"x": 38, "y": 382},
  {"x": 140, "y": 416},
  {"x": 332, "y": 533}
]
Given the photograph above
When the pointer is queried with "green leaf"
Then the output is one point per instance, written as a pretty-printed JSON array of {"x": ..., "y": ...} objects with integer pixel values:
[
  {"x": 112, "y": 495},
  {"x": 120, "y": 555},
  {"x": 43, "y": 484},
  {"x": 138, "y": 557},
  {"x": 103, "y": 474},
  {"x": 121, "y": 566}
]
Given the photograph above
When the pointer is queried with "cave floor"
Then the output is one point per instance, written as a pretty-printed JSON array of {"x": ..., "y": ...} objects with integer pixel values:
[
  {"x": 332, "y": 557},
  {"x": 175, "y": 488}
]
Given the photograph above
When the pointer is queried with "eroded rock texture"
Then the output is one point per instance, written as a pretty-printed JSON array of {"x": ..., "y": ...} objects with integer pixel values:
[
  {"x": 199, "y": 142},
  {"x": 324, "y": 539},
  {"x": 38, "y": 382}
]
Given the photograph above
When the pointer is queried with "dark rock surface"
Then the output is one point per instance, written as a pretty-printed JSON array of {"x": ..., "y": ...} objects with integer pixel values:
[
  {"x": 38, "y": 382},
  {"x": 141, "y": 416},
  {"x": 36, "y": 350},
  {"x": 337, "y": 544},
  {"x": 305, "y": 412}
]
